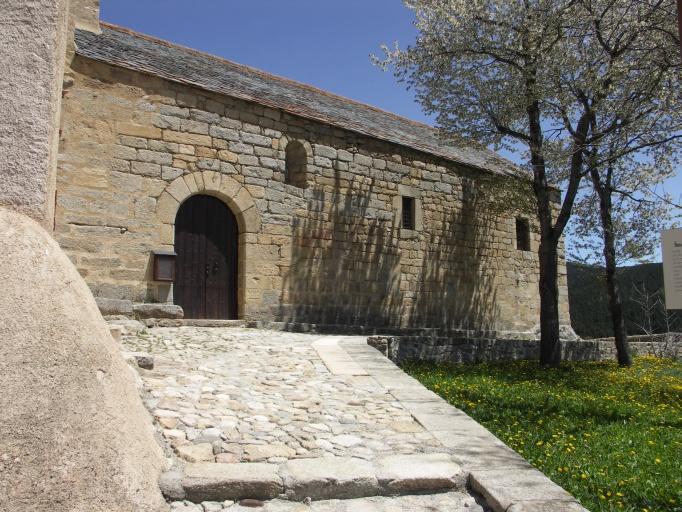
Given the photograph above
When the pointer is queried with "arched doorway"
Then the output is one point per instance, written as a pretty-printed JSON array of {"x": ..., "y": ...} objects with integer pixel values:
[{"x": 206, "y": 243}]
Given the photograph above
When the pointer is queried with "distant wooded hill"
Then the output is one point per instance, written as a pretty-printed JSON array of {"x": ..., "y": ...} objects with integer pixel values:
[{"x": 588, "y": 302}]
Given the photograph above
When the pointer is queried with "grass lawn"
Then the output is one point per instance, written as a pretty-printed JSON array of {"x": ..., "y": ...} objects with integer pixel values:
[{"x": 610, "y": 436}]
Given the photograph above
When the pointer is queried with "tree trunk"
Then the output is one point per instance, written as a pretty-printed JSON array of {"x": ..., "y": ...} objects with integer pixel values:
[
  {"x": 550, "y": 344},
  {"x": 615, "y": 302}
]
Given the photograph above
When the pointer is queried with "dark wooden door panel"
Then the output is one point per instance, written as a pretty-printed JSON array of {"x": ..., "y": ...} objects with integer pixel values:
[{"x": 206, "y": 241}]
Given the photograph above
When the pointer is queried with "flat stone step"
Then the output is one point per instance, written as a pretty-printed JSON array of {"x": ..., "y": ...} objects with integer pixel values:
[
  {"x": 190, "y": 322},
  {"x": 219, "y": 482},
  {"x": 324, "y": 478},
  {"x": 448, "y": 501}
]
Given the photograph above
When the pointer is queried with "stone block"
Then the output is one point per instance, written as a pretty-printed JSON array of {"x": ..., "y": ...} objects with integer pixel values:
[
  {"x": 166, "y": 122},
  {"x": 170, "y": 110},
  {"x": 158, "y": 311},
  {"x": 252, "y": 223},
  {"x": 191, "y": 183},
  {"x": 249, "y": 160},
  {"x": 211, "y": 181},
  {"x": 179, "y": 190},
  {"x": 232, "y": 188},
  {"x": 187, "y": 138},
  {"x": 407, "y": 474},
  {"x": 170, "y": 173},
  {"x": 329, "y": 477},
  {"x": 155, "y": 157},
  {"x": 228, "y": 156},
  {"x": 146, "y": 169},
  {"x": 362, "y": 160},
  {"x": 547, "y": 506},
  {"x": 503, "y": 488},
  {"x": 170, "y": 484},
  {"x": 188, "y": 125},
  {"x": 124, "y": 152},
  {"x": 166, "y": 208},
  {"x": 321, "y": 161},
  {"x": 476, "y": 448},
  {"x": 257, "y": 140},
  {"x": 201, "y": 452},
  {"x": 218, "y": 482},
  {"x": 205, "y": 117},
  {"x": 114, "y": 306},
  {"x": 163, "y": 146},
  {"x": 344, "y": 155},
  {"x": 226, "y": 168},
  {"x": 260, "y": 452},
  {"x": 224, "y": 133},
  {"x": 324, "y": 151},
  {"x": 144, "y": 131},
  {"x": 209, "y": 164},
  {"x": 238, "y": 147}
]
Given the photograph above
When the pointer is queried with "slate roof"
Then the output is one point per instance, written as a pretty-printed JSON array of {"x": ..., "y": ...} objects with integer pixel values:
[{"x": 124, "y": 48}]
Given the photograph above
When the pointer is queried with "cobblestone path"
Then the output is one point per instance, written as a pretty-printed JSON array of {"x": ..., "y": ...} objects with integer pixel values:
[
  {"x": 244, "y": 395},
  {"x": 302, "y": 420}
]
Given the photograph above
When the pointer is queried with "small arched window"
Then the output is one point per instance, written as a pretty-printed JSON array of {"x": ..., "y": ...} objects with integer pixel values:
[{"x": 296, "y": 163}]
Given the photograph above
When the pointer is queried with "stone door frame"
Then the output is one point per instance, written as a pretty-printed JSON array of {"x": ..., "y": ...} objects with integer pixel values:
[{"x": 235, "y": 196}]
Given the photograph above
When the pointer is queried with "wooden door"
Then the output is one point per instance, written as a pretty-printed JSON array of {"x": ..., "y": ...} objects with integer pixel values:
[{"x": 206, "y": 243}]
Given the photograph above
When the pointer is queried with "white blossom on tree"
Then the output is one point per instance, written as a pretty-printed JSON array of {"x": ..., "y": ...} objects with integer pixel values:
[{"x": 546, "y": 78}]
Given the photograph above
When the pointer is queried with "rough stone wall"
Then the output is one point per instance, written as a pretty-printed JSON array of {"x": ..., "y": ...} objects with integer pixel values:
[
  {"x": 332, "y": 253},
  {"x": 33, "y": 36},
  {"x": 467, "y": 349}
]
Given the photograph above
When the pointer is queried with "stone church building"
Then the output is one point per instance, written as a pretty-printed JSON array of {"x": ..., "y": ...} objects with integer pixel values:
[{"x": 187, "y": 179}]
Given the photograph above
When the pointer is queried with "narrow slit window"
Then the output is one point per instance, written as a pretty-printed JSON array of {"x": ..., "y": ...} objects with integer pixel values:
[
  {"x": 522, "y": 234},
  {"x": 408, "y": 213},
  {"x": 295, "y": 165}
]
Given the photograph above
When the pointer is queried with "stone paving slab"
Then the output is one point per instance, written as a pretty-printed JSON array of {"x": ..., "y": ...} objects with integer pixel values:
[
  {"x": 337, "y": 360},
  {"x": 406, "y": 474},
  {"x": 525, "y": 489},
  {"x": 504, "y": 478},
  {"x": 450, "y": 502},
  {"x": 316, "y": 479},
  {"x": 219, "y": 482},
  {"x": 338, "y": 477}
]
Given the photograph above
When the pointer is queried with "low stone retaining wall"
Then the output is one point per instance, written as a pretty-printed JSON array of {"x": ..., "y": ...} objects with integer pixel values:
[{"x": 466, "y": 350}]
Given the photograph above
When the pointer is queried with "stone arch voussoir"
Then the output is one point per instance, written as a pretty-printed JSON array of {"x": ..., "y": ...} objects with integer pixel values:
[{"x": 222, "y": 186}]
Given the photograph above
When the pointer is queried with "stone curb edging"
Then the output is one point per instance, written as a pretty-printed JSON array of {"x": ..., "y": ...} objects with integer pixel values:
[
  {"x": 317, "y": 479},
  {"x": 506, "y": 480}
]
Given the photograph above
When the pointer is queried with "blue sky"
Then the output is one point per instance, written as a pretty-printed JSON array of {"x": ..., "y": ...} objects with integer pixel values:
[{"x": 325, "y": 43}]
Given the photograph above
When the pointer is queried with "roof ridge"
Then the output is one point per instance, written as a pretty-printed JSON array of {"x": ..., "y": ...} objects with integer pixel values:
[{"x": 267, "y": 74}]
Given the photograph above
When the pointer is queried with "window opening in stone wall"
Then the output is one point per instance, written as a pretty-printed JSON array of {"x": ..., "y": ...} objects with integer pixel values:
[
  {"x": 522, "y": 234},
  {"x": 296, "y": 160},
  {"x": 408, "y": 213}
]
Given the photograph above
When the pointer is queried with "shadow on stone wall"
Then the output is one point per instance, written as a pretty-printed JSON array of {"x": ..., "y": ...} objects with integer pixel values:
[
  {"x": 347, "y": 267},
  {"x": 344, "y": 262},
  {"x": 455, "y": 285}
]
